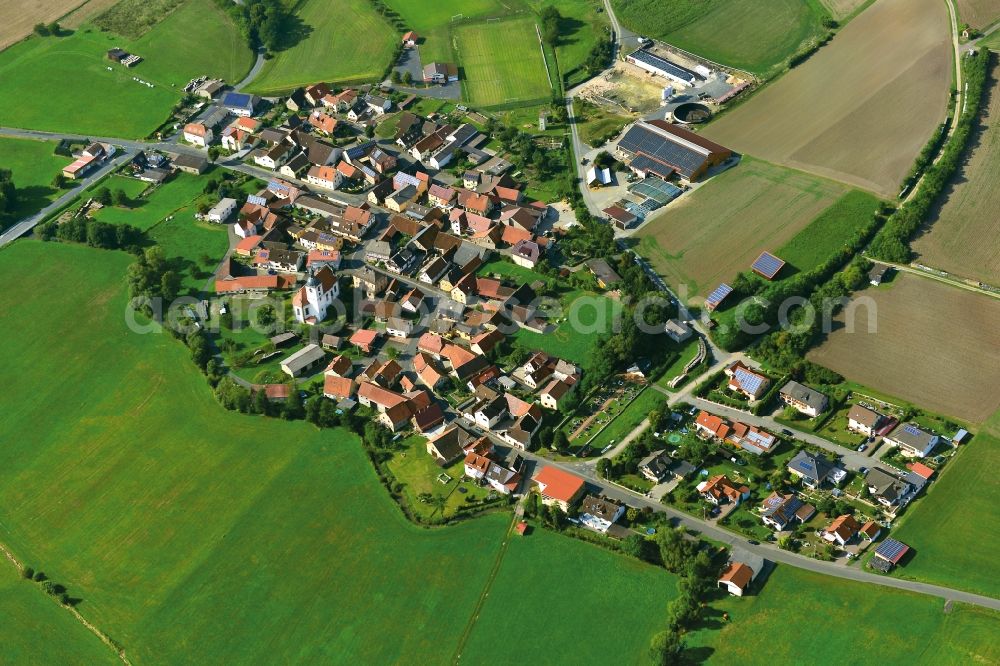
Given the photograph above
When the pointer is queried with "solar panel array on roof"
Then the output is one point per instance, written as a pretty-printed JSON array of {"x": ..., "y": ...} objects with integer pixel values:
[
  {"x": 649, "y": 165},
  {"x": 717, "y": 296},
  {"x": 401, "y": 179},
  {"x": 257, "y": 201},
  {"x": 912, "y": 430},
  {"x": 892, "y": 550},
  {"x": 656, "y": 189},
  {"x": 640, "y": 140},
  {"x": 635, "y": 209},
  {"x": 748, "y": 380},
  {"x": 767, "y": 265},
  {"x": 666, "y": 66}
]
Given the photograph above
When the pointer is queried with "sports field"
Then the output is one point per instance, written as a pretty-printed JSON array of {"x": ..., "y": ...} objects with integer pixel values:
[
  {"x": 978, "y": 13},
  {"x": 953, "y": 530},
  {"x": 802, "y": 613},
  {"x": 829, "y": 115},
  {"x": 747, "y": 34},
  {"x": 953, "y": 238},
  {"x": 935, "y": 345},
  {"x": 501, "y": 62},
  {"x": 83, "y": 97},
  {"x": 33, "y": 166},
  {"x": 551, "y": 595},
  {"x": 719, "y": 229},
  {"x": 349, "y": 43}
]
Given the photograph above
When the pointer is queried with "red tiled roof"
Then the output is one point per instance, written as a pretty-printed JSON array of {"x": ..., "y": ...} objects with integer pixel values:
[{"x": 559, "y": 485}]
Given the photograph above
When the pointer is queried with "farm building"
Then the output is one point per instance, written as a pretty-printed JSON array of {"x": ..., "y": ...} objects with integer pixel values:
[
  {"x": 654, "y": 64},
  {"x": 657, "y": 148},
  {"x": 302, "y": 360},
  {"x": 888, "y": 554}
]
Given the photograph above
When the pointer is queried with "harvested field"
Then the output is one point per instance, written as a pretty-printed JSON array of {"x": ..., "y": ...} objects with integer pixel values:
[
  {"x": 978, "y": 13},
  {"x": 936, "y": 346},
  {"x": 830, "y": 114},
  {"x": 719, "y": 229},
  {"x": 18, "y": 17},
  {"x": 840, "y": 9},
  {"x": 502, "y": 62},
  {"x": 86, "y": 11},
  {"x": 953, "y": 238}
]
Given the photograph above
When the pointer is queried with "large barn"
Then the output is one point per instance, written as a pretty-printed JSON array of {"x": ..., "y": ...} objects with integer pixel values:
[{"x": 655, "y": 147}]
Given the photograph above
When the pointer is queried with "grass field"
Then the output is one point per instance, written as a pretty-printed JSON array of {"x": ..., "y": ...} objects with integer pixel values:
[
  {"x": 718, "y": 230},
  {"x": 33, "y": 166},
  {"x": 583, "y": 22},
  {"x": 953, "y": 543},
  {"x": 936, "y": 346},
  {"x": 828, "y": 232},
  {"x": 841, "y": 9},
  {"x": 857, "y": 622},
  {"x": 195, "y": 39},
  {"x": 151, "y": 209},
  {"x": 978, "y": 13},
  {"x": 36, "y": 629},
  {"x": 432, "y": 21},
  {"x": 953, "y": 238},
  {"x": 348, "y": 44},
  {"x": 828, "y": 115},
  {"x": 501, "y": 62},
  {"x": 155, "y": 506},
  {"x": 559, "y": 588},
  {"x": 747, "y": 34},
  {"x": 594, "y": 314}
]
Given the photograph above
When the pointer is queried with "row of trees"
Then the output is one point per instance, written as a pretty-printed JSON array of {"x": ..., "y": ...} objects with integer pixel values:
[
  {"x": 151, "y": 276},
  {"x": 51, "y": 588},
  {"x": 46, "y": 29},
  {"x": 892, "y": 242},
  {"x": 94, "y": 233},
  {"x": 267, "y": 23},
  {"x": 8, "y": 192}
]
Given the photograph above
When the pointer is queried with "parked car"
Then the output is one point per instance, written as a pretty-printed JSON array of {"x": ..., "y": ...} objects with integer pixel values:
[
  {"x": 863, "y": 470},
  {"x": 753, "y": 542},
  {"x": 786, "y": 431},
  {"x": 863, "y": 447}
]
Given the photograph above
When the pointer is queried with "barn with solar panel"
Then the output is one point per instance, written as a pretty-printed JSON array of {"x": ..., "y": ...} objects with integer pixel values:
[
  {"x": 717, "y": 296},
  {"x": 767, "y": 265},
  {"x": 657, "y": 148},
  {"x": 888, "y": 554}
]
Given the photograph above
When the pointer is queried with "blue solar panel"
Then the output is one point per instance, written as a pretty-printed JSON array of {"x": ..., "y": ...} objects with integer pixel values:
[
  {"x": 258, "y": 201},
  {"x": 718, "y": 294},
  {"x": 767, "y": 265},
  {"x": 748, "y": 381},
  {"x": 912, "y": 430},
  {"x": 891, "y": 549}
]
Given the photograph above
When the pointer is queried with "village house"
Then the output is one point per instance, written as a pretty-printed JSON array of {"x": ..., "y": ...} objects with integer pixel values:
[
  {"x": 865, "y": 421},
  {"x": 325, "y": 176},
  {"x": 221, "y": 211},
  {"x": 455, "y": 442},
  {"x": 888, "y": 490},
  {"x": 780, "y": 512},
  {"x": 736, "y": 578},
  {"x": 813, "y": 469},
  {"x": 365, "y": 339},
  {"x": 746, "y": 382},
  {"x": 558, "y": 488},
  {"x": 912, "y": 440},
  {"x": 198, "y": 134},
  {"x": 719, "y": 490},
  {"x": 842, "y": 530},
  {"x": 803, "y": 399},
  {"x": 599, "y": 513},
  {"x": 659, "y": 467}
]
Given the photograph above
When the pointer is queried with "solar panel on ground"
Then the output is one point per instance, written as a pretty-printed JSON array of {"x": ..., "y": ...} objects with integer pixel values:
[
  {"x": 659, "y": 190},
  {"x": 767, "y": 265},
  {"x": 717, "y": 296}
]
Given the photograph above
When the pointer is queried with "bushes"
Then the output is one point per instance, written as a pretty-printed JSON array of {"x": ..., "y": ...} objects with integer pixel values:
[{"x": 892, "y": 242}]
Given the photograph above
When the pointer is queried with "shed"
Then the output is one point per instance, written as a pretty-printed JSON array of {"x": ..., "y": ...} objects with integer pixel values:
[{"x": 302, "y": 360}]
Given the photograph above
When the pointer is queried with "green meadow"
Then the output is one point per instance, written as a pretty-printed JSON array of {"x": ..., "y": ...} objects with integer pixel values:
[
  {"x": 85, "y": 93},
  {"x": 829, "y": 232},
  {"x": 347, "y": 44},
  {"x": 33, "y": 166}
]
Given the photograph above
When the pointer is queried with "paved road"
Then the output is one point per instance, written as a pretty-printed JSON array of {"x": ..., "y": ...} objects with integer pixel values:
[
  {"x": 29, "y": 223},
  {"x": 946, "y": 279},
  {"x": 254, "y": 71},
  {"x": 765, "y": 550}
]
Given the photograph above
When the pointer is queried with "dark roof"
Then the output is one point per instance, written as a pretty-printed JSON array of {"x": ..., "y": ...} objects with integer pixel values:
[
  {"x": 668, "y": 145},
  {"x": 241, "y": 100},
  {"x": 810, "y": 465}
]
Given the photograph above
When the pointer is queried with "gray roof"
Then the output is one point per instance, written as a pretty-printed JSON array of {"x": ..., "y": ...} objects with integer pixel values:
[
  {"x": 909, "y": 434},
  {"x": 804, "y": 394},
  {"x": 600, "y": 507},
  {"x": 810, "y": 465},
  {"x": 658, "y": 463},
  {"x": 886, "y": 485},
  {"x": 303, "y": 358}
]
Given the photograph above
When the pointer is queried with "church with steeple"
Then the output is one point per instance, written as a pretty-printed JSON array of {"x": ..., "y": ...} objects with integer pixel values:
[{"x": 310, "y": 302}]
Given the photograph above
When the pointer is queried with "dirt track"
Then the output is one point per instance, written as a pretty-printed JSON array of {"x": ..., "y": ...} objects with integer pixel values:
[{"x": 862, "y": 107}]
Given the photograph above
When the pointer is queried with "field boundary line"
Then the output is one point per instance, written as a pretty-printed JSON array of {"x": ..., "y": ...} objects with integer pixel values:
[
  {"x": 545, "y": 62},
  {"x": 103, "y": 637},
  {"x": 490, "y": 579}
]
